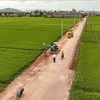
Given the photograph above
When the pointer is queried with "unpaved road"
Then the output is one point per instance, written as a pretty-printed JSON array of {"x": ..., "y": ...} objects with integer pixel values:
[{"x": 44, "y": 79}]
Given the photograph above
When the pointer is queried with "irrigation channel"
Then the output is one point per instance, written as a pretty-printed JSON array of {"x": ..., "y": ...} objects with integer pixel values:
[{"x": 46, "y": 80}]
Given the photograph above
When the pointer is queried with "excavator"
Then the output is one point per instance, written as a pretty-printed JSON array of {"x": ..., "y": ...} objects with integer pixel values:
[{"x": 54, "y": 48}]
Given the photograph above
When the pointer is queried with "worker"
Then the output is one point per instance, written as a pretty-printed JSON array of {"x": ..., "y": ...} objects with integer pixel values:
[
  {"x": 62, "y": 55},
  {"x": 21, "y": 91},
  {"x": 44, "y": 52},
  {"x": 17, "y": 95},
  {"x": 54, "y": 57}
]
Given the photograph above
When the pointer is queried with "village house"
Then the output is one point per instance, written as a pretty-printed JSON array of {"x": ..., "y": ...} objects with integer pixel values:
[{"x": 64, "y": 14}]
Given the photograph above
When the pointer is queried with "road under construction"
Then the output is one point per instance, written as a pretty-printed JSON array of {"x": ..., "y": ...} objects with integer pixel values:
[{"x": 46, "y": 80}]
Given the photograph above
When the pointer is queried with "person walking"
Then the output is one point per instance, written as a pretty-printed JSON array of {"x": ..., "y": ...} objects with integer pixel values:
[
  {"x": 17, "y": 95},
  {"x": 54, "y": 57},
  {"x": 62, "y": 55},
  {"x": 21, "y": 91}
]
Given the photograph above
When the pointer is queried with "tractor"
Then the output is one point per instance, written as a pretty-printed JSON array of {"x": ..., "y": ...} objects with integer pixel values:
[{"x": 70, "y": 34}]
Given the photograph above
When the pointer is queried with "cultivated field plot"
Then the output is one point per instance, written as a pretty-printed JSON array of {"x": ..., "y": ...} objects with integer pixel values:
[
  {"x": 21, "y": 41},
  {"x": 86, "y": 85}
]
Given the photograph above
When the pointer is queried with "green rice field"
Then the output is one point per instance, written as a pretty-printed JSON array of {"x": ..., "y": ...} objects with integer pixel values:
[
  {"x": 86, "y": 84},
  {"x": 21, "y": 41}
]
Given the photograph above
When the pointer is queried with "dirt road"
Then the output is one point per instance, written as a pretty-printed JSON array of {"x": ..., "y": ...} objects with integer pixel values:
[{"x": 44, "y": 79}]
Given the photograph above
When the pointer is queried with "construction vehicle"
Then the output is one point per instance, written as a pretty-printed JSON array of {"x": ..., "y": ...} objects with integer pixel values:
[
  {"x": 54, "y": 48},
  {"x": 70, "y": 33}
]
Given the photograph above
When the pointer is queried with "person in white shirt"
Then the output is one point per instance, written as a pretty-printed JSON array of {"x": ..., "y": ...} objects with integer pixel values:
[{"x": 54, "y": 58}]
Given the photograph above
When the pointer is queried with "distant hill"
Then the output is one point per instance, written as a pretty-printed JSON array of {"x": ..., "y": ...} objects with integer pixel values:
[{"x": 10, "y": 10}]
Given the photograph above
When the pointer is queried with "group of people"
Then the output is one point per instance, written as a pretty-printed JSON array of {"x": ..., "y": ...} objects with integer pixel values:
[
  {"x": 54, "y": 56},
  {"x": 19, "y": 93}
]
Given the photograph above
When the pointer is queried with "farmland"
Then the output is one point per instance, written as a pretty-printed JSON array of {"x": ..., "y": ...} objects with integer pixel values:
[
  {"x": 86, "y": 85},
  {"x": 21, "y": 41}
]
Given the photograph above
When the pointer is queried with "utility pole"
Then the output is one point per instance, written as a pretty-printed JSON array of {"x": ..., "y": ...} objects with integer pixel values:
[
  {"x": 59, "y": 8},
  {"x": 79, "y": 17},
  {"x": 74, "y": 19},
  {"x": 86, "y": 25},
  {"x": 62, "y": 28},
  {"x": 26, "y": 9}
]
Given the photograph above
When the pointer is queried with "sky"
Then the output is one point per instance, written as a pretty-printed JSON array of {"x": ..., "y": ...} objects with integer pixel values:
[{"x": 67, "y": 5}]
